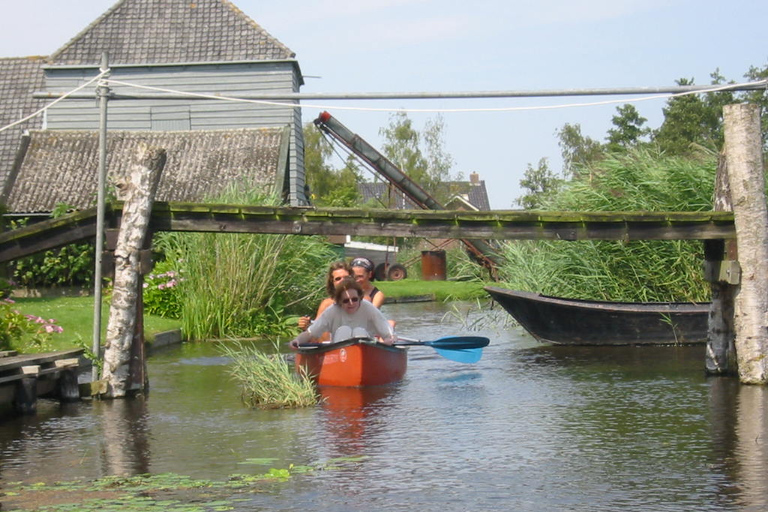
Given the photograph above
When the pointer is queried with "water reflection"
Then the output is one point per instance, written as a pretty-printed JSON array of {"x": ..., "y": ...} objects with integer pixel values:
[
  {"x": 349, "y": 415},
  {"x": 739, "y": 419},
  {"x": 124, "y": 443}
]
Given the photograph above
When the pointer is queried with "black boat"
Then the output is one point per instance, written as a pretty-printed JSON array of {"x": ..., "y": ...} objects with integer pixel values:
[{"x": 585, "y": 322}]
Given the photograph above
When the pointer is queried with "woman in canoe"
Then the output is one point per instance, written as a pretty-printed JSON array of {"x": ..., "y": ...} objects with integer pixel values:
[
  {"x": 337, "y": 271},
  {"x": 349, "y": 316},
  {"x": 362, "y": 271}
]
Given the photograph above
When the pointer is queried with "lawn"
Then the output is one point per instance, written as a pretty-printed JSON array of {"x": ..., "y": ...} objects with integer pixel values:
[
  {"x": 440, "y": 290},
  {"x": 75, "y": 316}
]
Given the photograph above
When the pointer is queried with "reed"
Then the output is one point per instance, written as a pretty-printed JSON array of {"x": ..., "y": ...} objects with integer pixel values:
[
  {"x": 267, "y": 380},
  {"x": 615, "y": 270},
  {"x": 245, "y": 285}
]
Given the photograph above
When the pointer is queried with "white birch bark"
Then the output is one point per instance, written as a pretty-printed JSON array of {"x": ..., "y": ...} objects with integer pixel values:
[
  {"x": 743, "y": 147},
  {"x": 137, "y": 189}
]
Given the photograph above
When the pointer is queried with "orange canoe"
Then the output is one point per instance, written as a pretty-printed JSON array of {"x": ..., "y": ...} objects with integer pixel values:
[{"x": 353, "y": 363}]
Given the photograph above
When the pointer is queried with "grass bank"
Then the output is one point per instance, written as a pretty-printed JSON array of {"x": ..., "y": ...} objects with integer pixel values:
[
  {"x": 75, "y": 316},
  {"x": 441, "y": 290}
]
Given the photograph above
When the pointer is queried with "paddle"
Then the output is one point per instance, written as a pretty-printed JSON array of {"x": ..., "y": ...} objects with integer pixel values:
[{"x": 462, "y": 349}]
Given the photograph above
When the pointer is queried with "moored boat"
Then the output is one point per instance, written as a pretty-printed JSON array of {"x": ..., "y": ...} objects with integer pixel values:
[
  {"x": 353, "y": 363},
  {"x": 584, "y": 322}
]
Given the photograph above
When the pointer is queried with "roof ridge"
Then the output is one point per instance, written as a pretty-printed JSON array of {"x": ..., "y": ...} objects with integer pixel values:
[
  {"x": 255, "y": 25},
  {"x": 138, "y": 32},
  {"x": 77, "y": 36}
]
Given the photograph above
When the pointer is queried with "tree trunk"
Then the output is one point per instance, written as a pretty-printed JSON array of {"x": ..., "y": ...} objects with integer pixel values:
[
  {"x": 138, "y": 191},
  {"x": 720, "y": 357},
  {"x": 743, "y": 149}
]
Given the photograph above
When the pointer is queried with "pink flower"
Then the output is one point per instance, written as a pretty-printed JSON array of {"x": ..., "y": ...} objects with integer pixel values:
[{"x": 161, "y": 287}]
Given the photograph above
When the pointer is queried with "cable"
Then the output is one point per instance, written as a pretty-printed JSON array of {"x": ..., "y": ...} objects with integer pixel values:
[{"x": 54, "y": 102}]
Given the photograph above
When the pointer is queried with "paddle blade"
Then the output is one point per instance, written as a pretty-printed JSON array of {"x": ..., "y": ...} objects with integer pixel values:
[
  {"x": 463, "y": 355},
  {"x": 459, "y": 342}
]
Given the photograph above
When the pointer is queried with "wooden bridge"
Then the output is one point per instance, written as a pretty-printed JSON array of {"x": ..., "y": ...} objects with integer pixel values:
[{"x": 500, "y": 224}]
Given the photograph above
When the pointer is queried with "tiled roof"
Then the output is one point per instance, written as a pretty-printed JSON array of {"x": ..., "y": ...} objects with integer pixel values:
[
  {"x": 384, "y": 196},
  {"x": 171, "y": 31},
  {"x": 19, "y": 78},
  {"x": 62, "y": 166}
]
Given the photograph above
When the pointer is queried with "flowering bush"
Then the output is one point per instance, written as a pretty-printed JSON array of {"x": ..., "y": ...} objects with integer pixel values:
[
  {"x": 24, "y": 332},
  {"x": 161, "y": 290}
]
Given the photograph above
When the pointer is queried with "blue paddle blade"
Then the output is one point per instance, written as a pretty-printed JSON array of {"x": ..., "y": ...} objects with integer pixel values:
[{"x": 464, "y": 355}]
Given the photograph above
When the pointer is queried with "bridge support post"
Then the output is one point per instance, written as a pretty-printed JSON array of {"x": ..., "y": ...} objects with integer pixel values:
[
  {"x": 139, "y": 188},
  {"x": 743, "y": 149},
  {"x": 720, "y": 357}
]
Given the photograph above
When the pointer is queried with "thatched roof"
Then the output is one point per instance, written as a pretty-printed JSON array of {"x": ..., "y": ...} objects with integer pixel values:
[{"x": 61, "y": 167}]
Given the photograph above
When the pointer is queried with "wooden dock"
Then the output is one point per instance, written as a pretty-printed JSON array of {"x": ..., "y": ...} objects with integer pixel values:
[{"x": 24, "y": 378}]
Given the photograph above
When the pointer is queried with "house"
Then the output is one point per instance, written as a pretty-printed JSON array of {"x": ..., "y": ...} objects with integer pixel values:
[
  {"x": 462, "y": 195},
  {"x": 207, "y": 47}
]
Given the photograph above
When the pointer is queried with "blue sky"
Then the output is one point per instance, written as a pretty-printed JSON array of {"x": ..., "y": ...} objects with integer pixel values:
[{"x": 448, "y": 45}]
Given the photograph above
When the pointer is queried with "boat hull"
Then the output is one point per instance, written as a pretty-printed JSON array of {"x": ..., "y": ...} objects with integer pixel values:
[
  {"x": 581, "y": 322},
  {"x": 353, "y": 363}
]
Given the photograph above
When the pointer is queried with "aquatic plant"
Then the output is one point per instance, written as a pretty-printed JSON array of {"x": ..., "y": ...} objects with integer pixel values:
[
  {"x": 267, "y": 380},
  {"x": 169, "y": 492},
  {"x": 639, "y": 180},
  {"x": 244, "y": 285}
]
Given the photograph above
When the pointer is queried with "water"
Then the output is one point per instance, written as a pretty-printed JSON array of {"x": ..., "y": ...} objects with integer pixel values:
[{"x": 529, "y": 427}]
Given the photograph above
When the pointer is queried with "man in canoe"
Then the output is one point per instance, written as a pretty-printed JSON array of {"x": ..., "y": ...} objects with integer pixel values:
[{"x": 349, "y": 316}]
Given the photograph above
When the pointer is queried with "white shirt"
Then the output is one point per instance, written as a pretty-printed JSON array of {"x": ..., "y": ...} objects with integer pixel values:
[{"x": 366, "y": 318}]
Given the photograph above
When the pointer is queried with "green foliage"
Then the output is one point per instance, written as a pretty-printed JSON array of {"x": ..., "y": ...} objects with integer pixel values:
[
  {"x": 539, "y": 183},
  {"x": 639, "y": 180},
  {"x": 578, "y": 151},
  {"x": 244, "y": 285},
  {"x": 24, "y": 333},
  {"x": 161, "y": 289},
  {"x": 267, "y": 380},
  {"x": 692, "y": 120},
  {"x": 420, "y": 155},
  {"x": 328, "y": 187},
  {"x": 629, "y": 129}
]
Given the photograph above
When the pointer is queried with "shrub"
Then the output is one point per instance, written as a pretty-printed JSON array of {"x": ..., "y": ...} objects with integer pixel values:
[
  {"x": 162, "y": 295},
  {"x": 24, "y": 332}
]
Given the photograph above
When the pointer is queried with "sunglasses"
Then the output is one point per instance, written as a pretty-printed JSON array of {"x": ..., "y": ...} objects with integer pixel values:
[{"x": 353, "y": 300}]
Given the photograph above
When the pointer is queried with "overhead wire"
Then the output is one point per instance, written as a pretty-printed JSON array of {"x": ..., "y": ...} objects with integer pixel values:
[{"x": 54, "y": 102}]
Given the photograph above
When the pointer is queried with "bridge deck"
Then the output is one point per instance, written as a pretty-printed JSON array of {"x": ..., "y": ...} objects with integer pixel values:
[{"x": 498, "y": 224}]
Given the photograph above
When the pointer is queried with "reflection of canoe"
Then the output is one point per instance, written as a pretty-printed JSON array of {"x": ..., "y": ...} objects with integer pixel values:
[
  {"x": 356, "y": 362},
  {"x": 584, "y": 322}
]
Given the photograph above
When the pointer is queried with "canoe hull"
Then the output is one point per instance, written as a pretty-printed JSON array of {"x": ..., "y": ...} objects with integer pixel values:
[
  {"x": 353, "y": 363},
  {"x": 580, "y": 322}
]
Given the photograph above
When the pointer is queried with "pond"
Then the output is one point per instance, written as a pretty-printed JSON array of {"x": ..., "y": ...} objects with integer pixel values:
[{"x": 529, "y": 427}]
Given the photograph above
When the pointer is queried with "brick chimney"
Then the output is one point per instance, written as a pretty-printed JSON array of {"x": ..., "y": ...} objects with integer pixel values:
[{"x": 474, "y": 179}]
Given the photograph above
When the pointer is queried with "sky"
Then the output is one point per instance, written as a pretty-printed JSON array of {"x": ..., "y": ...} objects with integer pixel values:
[{"x": 368, "y": 46}]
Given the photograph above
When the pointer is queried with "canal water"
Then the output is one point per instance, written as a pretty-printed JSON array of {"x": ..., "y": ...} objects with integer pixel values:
[{"x": 529, "y": 427}]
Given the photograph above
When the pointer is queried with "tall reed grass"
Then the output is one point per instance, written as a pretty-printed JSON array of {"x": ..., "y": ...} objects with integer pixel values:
[
  {"x": 267, "y": 380},
  {"x": 245, "y": 285},
  {"x": 641, "y": 180}
]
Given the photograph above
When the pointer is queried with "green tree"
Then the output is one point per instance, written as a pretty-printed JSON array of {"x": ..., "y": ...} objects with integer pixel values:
[
  {"x": 327, "y": 186},
  {"x": 578, "y": 151},
  {"x": 691, "y": 120},
  {"x": 629, "y": 129},
  {"x": 540, "y": 182},
  {"x": 402, "y": 147}
]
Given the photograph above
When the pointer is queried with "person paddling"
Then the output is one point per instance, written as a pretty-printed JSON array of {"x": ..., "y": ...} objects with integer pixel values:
[{"x": 349, "y": 316}]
